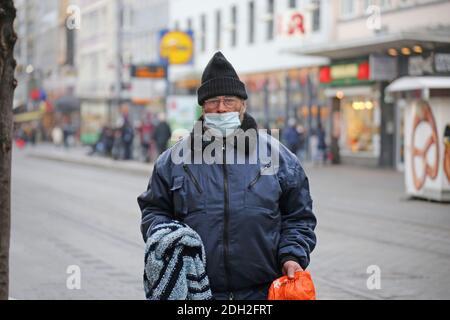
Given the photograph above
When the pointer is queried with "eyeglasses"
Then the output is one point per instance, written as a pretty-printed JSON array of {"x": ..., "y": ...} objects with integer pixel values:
[{"x": 229, "y": 102}]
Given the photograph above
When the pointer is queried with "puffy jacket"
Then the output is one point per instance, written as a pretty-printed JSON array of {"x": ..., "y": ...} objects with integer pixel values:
[{"x": 250, "y": 223}]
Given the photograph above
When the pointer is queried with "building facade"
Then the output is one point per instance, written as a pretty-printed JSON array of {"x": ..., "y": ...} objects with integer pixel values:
[
  {"x": 256, "y": 36},
  {"x": 371, "y": 44}
]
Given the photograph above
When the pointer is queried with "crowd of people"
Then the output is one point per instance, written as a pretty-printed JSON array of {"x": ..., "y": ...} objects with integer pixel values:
[
  {"x": 295, "y": 138},
  {"x": 144, "y": 141}
]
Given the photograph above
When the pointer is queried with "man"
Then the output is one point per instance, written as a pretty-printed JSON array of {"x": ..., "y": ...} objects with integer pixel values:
[
  {"x": 291, "y": 136},
  {"x": 162, "y": 133},
  {"x": 255, "y": 227}
]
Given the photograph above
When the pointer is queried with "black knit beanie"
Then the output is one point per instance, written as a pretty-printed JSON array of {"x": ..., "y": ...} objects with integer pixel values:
[{"x": 220, "y": 79}]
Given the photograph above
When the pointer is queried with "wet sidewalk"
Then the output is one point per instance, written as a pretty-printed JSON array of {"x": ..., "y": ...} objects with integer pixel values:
[{"x": 80, "y": 155}]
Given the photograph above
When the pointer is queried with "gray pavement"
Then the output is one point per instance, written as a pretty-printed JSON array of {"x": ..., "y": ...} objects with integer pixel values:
[{"x": 69, "y": 212}]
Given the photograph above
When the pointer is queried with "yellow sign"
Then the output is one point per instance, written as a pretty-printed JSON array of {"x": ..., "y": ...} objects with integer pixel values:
[
  {"x": 28, "y": 116},
  {"x": 342, "y": 71},
  {"x": 176, "y": 47}
]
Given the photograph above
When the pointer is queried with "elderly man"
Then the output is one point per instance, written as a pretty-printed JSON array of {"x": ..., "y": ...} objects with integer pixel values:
[{"x": 255, "y": 226}]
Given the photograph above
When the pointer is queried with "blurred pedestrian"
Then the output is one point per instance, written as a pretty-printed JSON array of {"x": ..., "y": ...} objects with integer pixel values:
[
  {"x": 127, "y": 136},
  {"x": 321, "y": 148},
  {"x": 291, "y": 137},
  {"x": 302, "y": 139},
  {"x": 162, "y": 133},
  {"x": 57, "y": 136},
  {"x": 146, "y": 130}
]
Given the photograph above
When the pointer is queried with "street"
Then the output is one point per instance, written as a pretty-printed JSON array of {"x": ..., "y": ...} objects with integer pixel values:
[{"x": 66, "y": 214}]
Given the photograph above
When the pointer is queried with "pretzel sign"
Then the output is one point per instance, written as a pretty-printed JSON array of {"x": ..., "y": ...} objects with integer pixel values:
[
  {"x": 447, "y": 160},
  {"x": 424, "y": 114}
]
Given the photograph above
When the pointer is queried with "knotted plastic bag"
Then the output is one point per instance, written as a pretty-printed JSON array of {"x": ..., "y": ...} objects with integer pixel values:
[{"x": 299, "y": 288}]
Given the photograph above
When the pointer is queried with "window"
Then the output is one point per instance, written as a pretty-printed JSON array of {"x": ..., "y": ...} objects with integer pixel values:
[
  {"x": 367, "y": 4},
  {"x": 251, "y": 22},
  {"x": 347, "y": 8},
  {"x": 233, "y": 26},
  {"x": 385, "y": 4},
  {"x": 316, "y": 15},
  {"x": 203, "y": 33},
  {"x": 406, "y": 3},
  {"x": 270, "y": 13},
  {"x": 218, "y": 29},
  {"x": 292, "y": 4}
]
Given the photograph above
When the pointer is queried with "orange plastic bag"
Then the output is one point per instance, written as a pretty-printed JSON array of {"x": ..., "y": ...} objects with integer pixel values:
[{"x": 300, "y": 288}]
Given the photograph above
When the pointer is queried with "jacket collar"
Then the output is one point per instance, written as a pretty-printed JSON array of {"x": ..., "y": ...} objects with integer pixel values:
[{"x": 248, "y": 122}]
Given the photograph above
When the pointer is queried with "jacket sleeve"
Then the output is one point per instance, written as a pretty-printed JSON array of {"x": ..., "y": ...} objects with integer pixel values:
[
  {"x": 298, "y": 221},
  {"x": 155, "y": 203}
]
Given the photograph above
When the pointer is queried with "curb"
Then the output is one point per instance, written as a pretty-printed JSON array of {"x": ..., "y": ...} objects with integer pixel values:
[{"x": 109, "y": 164}]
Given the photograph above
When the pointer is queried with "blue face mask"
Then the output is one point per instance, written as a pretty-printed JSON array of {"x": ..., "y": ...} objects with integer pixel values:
[{"x": 225, "y": 123}]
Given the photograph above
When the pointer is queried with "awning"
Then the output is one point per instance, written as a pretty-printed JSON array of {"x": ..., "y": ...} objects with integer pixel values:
[
  {"x": 418, "y": 83},
  {"x": 28, "y": 116},
  {"x": 67, "y": 103},
  {"x": 376, "y": 44}
]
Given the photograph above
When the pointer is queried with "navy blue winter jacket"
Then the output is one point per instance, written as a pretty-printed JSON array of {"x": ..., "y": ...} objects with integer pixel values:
[{"x": 250, "y": 223}]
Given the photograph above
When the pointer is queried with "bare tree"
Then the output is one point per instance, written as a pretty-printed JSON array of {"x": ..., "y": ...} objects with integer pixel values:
[{"x": 7, "y": 85}]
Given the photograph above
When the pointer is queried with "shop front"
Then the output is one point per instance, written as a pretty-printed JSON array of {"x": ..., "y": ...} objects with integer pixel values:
[
  {"x": 356, "y": 112},
  {"x": 276, "y": 96},
  {"x": 426, "y": 135},
  {"x": 425, "y": 65}
]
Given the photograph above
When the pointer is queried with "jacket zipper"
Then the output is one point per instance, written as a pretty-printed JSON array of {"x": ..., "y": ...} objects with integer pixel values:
[
  {"x": 191, "y": 176},
  {"x": 254, "y": 181},
  {"x": 226, "y": 220}
]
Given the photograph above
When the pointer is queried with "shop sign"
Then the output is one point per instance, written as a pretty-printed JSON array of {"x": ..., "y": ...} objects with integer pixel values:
[
  {"x": 345, "y": 73},
  {"x": 418, "y": 66},
  {"x": 383, "y": 68},
  {"x": 293, "y": 24},
  {"x": 148, "y": 71},
  {"x": 442, "y": 62},
  {"x": 176, "y": 47}
]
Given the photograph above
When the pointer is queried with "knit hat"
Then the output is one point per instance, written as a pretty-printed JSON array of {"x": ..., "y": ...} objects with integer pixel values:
[{"x": 220, "y": 79}]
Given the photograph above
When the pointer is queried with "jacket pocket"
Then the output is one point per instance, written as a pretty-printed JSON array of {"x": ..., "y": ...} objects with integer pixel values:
[
  {"x": 187, "y": 199},
  {"x": 179, "y": 197},
  {"x": 263, "y": 190}
]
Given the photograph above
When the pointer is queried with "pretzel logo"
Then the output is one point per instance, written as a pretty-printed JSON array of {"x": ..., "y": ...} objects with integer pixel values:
[
  {"x": 424, "y": 114},
  {"x": 447, "y": 160}
]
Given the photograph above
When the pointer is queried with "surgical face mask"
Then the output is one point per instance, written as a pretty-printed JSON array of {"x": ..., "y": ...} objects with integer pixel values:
[{"x": 225, "y": 123}]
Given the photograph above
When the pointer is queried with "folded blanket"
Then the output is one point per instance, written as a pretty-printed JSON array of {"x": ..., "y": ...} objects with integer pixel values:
[{"x": 175, "y": 264}]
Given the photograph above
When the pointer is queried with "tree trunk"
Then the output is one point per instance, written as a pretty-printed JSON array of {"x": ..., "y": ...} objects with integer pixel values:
[{"x": 7, "y": 86}]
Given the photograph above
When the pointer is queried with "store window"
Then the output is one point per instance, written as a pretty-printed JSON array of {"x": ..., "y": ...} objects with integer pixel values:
[
  {"x": 218, "y": 29},
  {"x": 251, "y": 22},
  {"x": 203, "y": 33},
  {"x": 270, "y": 19},
  {"x": 233, "y": 26},
  {"x": 360, "y": 131},
  {"x": 347, "y": 9}
]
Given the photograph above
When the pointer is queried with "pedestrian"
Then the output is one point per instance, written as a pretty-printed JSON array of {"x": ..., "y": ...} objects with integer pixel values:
[
  {"x": 301, "y": 146},
  {"x": 57, "y": 136},
  {"x": 146, "y": 130},
  {"x": 127, "y": 136},
  {"x": 321, "y": 155},
  {"x": 291, "y": 137},
  {"x": 162, "y": 133},
  {"x": 255, "y": 226}
]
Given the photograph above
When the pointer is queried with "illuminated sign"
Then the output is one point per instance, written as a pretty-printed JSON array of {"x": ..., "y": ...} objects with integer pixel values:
[
  {"x": 345, "y": 74},
  {"x": 148, "y": 71},
  {"x": 293, "y": 23},
  {"x": 176, "y": 47}
]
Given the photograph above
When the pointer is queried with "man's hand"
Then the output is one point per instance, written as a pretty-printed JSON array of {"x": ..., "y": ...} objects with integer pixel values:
[{"x": 290, "y": 268}]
